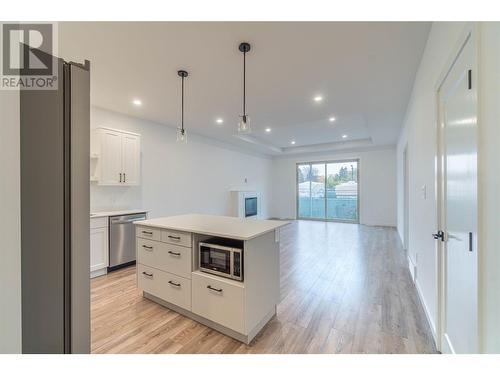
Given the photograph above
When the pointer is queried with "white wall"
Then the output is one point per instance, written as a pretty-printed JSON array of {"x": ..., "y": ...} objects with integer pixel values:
[
  {"x": 489, "y": 186},
  {"x": 181, "y": 178},
  {"x": 377, "y": 183},
  {"x": 10, "y": 224}
]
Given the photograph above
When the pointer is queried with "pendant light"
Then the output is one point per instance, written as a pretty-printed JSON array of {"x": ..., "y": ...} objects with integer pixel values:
[
  {"x": 181, "y": 132},
  {"x": 244, "y": 123}
]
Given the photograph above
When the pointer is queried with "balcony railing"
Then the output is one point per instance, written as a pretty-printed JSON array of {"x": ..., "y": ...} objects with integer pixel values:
[{"x": 343, "y": 207}]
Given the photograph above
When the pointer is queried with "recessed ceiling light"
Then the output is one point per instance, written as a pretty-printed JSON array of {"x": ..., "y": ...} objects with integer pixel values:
[
  {"x": 331, "y": 119},
  {"x": 292, "y": 142},
  {"x": 318, "y": 98},
  {"x": 268, "y": 130},
  {"x": 137, "y": 102},
  {"x": 344, "y": 136},
  {"x": 219, "y": 121}
]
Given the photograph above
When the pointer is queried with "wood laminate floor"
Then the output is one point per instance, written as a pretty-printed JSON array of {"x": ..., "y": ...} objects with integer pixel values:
[{"x": 345, "y": 288}]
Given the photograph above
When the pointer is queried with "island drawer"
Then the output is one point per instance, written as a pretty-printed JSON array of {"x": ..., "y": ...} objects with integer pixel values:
[
  {"x": 176, "y": 237},
  {"x": 170, "y": 258},
  {"x": 150, "y": 233},
  {"x": 219, "y": 301},
  {"x": 164, "y": 285}
]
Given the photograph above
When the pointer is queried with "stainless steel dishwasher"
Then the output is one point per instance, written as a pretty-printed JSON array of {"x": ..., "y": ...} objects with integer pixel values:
[{"x": 122, "y": 239}]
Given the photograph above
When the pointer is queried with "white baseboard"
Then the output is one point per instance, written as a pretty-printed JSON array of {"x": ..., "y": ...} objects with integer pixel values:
[
  {"x": 372, "y": 224},
  {"x": 413, "y": 269},
  {"x": 100, "y": 272},
  {"x": 427, "y": 313},
  {"x": 447, "y": 347}
]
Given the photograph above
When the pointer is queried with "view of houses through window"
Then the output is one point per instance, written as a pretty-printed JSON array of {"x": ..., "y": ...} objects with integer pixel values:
[{"x": 328, "y": 191}]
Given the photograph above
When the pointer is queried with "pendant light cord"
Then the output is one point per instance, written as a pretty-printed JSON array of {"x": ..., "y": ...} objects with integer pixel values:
[
  {"x": 244, "y": 84},
  {"x": 182, "y": 106}
]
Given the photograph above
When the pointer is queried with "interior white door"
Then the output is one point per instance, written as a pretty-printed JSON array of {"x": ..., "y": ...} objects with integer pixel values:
[
  {"x": 458, "y": 104},
  {"x": 131, "y": 159},
  {"x": 111, "y": 157}
]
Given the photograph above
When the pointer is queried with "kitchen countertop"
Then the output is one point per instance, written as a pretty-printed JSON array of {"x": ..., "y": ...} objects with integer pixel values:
[
  {"x": 115, "y": 213},
  {"x": 221, "y": 226}
]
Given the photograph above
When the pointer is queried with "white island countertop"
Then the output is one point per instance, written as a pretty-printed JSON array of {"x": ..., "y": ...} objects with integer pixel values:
[{"x": 220, "y": 226}]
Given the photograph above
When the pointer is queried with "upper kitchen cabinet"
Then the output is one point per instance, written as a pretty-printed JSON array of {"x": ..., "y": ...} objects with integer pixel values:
[{"x": 115, "y": 157}]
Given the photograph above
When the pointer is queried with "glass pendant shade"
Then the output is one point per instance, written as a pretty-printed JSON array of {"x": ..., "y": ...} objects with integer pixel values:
[
  {"x": 244, "y": 125},
  {"x": 181, "y": 135}
]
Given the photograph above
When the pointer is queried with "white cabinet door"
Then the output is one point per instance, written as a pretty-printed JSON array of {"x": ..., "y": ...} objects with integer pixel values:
[
  {"x": 130, "y": 159},
  {"x": 111, "y": 157},
  {"x": 98, "y": 249}
]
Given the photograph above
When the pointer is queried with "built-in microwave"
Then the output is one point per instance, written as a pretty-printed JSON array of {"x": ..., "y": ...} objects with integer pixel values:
[{"x": 222, "y": 258}]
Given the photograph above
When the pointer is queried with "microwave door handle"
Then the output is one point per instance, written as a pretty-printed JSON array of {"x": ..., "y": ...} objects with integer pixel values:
[
  {"x": 201, "y": 253},
  {"x": 231, "y": 264}
]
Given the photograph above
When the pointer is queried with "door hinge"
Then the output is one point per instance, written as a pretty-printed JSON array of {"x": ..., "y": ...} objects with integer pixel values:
[{"x": 469, "y": 79}]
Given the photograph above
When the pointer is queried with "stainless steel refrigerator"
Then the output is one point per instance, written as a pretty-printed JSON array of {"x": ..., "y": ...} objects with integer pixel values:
[{"x": 55, "y": 208}]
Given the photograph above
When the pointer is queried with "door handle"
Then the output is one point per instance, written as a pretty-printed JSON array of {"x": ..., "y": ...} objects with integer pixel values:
[
  {"x": 147, "y": 274},
  {"x": 173, "y": 253},
  {"x": 174, "y": 284},
  {"x": 120, "y": 177},
  {"x": 438, "y": 235},
  {"x": 124, "y": 177},
  {"x": 146, "y": 232},
  {"x": 214, "y": 289},
  {"x": 147, "y": 247},
  {"x": 174, "y": 238}
]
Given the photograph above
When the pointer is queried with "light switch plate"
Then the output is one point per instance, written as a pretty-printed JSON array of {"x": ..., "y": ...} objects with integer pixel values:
[{"x": 424, "y": 192}]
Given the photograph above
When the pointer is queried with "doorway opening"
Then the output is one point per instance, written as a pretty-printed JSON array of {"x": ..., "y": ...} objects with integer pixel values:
[
  {"x": 406, "y": 201},
  {"x": 328, "y": 191}
]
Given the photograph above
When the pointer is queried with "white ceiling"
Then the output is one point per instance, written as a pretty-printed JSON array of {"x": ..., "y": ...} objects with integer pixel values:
[{"x": 363, "y": 70}]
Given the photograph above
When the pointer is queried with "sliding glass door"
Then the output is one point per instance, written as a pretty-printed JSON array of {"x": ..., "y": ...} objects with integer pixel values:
[{"x": 328, "y": 191}]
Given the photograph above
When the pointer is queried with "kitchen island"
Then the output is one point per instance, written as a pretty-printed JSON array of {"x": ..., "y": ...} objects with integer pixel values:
[{"x": 238, "y": 303}]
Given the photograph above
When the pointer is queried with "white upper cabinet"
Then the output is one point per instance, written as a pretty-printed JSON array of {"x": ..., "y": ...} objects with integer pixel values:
[
  {"x": 110, "y": 157},
  {"x": 115, "y": 157},
  {"x": 130, "y": 159}
]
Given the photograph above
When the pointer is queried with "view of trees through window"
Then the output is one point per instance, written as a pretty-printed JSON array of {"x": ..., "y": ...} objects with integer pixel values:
[{"x": 328, "y": 191}]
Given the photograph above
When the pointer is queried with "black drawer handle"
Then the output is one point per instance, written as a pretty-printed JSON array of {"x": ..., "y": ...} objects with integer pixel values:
[
  {"x": 147, "y": 247},
  {"x": 173, "y": 253},
  {"x": 147, "y": 274},
  {"x": 214, "y": 289},
  {"x": 174, "y": 284},
  {"x": 145, "y": 232},
  {"x": 174, "y": 238}
]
